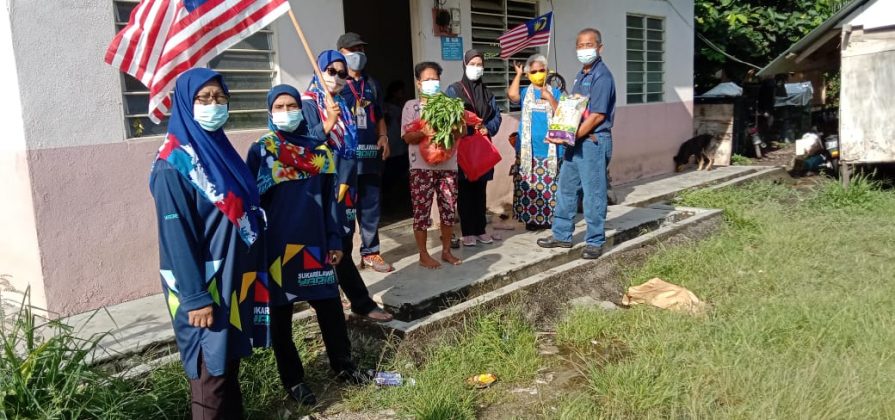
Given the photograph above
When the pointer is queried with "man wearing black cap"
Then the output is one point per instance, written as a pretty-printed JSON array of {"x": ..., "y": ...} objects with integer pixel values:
[{"x": 362, "y": 95}]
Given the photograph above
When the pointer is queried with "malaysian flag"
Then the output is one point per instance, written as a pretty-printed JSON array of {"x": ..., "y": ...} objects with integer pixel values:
[
  {"x": 164, "y": 38},
  {"x": 529, "y": 34}
]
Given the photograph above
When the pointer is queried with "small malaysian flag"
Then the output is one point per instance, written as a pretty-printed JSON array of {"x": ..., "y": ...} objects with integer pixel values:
[
  {"x": 533, "y": 33},
  {"x": 165, "y": 38}
]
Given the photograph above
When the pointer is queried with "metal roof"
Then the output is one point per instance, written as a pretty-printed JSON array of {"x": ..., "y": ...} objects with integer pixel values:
[{"x": 785, "y": 62}]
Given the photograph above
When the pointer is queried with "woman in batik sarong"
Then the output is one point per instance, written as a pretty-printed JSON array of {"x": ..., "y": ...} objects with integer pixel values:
[{"x": 537, "y": 162}]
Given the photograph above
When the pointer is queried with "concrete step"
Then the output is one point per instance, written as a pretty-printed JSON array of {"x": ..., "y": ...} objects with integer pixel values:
[
  {"x": 544, "y": 292},
  {"x": 412, "y": 291}
]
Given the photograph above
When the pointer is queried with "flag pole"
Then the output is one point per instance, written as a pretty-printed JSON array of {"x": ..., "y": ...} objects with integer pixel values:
[
  {"x": 304, "y": 42},
  {"x": 550, "y": 40}
]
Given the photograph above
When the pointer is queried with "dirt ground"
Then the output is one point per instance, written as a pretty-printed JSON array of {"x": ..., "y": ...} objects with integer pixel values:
[{"x": 781, "y": 156}]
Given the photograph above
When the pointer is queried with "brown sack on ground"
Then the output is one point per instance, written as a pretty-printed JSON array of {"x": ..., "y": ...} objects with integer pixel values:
[{"x": 661, "y": 294}]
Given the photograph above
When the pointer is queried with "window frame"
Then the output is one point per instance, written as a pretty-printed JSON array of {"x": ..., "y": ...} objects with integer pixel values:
[
  {"x": 498, "y": 67},
  {"x": 274, "y": 75},
  {"x": 644, "y": 89}
]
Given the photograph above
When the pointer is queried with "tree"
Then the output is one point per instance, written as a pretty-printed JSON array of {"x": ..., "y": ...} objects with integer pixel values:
[{"x": 756, "y": 32}]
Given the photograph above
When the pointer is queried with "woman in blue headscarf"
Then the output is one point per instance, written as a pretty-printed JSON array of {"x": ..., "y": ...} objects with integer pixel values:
[
  {"x": 334, "y": 123},
  {"x": 295, "y": 177},
  {"x": 209, "y": 220}
]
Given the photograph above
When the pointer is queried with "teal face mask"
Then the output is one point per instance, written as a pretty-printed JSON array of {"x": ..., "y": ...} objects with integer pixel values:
[
  {"x": 211, "y": 117},
  {"x": 288, "y": 120}
]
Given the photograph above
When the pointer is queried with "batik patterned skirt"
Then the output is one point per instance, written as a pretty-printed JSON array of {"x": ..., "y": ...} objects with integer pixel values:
[{"x": 535, "y": 194}]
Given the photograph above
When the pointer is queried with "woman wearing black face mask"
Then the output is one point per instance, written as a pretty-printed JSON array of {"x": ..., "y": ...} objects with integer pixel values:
[{"x": 477, "y": 98}]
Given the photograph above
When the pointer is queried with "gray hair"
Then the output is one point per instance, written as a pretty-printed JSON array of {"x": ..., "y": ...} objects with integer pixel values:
[
  {"x": 535, "y": 58},
  {"x": 596, "y": 33}
]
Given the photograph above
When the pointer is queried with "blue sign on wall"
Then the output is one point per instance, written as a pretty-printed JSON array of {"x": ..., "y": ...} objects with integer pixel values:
[{"x": 452, "y": 48}]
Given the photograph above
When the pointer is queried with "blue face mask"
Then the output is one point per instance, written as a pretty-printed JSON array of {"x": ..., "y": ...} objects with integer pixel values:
[
  {"x": 288, "y": 120},
  {"x": 430, "y": 87},
  {"x": 211, "y": 117},
  {"x": 356, "y": 60}
]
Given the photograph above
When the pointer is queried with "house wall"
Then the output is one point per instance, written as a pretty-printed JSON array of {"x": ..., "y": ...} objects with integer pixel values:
[
  {"x": 866, "y": 132},
  {"x": 90, "y": 210},
  {"x": 20, "y": 255}
]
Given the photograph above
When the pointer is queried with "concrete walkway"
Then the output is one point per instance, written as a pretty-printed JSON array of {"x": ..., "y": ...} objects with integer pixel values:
[{"x": 411, "y": 292}]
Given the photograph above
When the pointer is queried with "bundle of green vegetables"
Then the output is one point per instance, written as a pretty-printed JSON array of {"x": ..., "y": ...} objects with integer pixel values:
[{"x": 445, "y": 116}]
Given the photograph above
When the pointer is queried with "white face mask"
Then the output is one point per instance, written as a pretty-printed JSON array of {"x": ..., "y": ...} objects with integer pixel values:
[
  {"x": 430, "y": 87},
  {"x": 335, "y": 84},
  {"x": 474, "y": 72},
  {"x": 588, "y": 55},
  {"x": 288, "y": 120}
]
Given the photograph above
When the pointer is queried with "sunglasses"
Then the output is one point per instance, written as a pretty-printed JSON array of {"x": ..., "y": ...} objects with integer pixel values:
[
  {"x": 333, "y": 72},
  {"x": 538, "y": 71}
]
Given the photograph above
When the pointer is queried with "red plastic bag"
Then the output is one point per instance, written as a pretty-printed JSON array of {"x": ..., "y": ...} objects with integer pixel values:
[
  {"x": 431, "y": 153},
  {"x": 470, "y": 118},
  {"x": 476, "y": 156}
]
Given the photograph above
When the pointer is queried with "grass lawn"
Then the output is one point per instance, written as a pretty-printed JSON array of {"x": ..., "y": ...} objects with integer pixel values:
[
  {"x": 802, "y": 318},
  {"x": 800, "y": 325}
]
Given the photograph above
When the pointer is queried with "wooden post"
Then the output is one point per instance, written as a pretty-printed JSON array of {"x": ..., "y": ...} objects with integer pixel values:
[{"x": 304, "y": 42}]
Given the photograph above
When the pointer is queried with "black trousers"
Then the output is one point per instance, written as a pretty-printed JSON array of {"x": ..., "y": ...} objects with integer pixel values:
[
  {"x": 335, "y": 337},
  {"x": 351, "y": 282},
  {"x": 471, "y": 206},
  {"x": 216, "y": 397}
]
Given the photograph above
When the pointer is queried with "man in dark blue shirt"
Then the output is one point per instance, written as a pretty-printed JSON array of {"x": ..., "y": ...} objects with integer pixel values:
[
  {"x": 584, "y": 166},
  {"x": 363, "y": 95}
]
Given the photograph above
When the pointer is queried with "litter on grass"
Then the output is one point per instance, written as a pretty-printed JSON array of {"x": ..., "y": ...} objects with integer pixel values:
[
  {"x": 661, "y": 294},
  {"x": 482, "y": 381}
]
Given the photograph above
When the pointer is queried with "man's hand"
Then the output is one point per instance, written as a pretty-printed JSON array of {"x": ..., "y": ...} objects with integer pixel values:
[
  {"x": 335, "y": 257},
  {"x": 482, "y": 130},
  {"x": 202, "y": 317},
  {"x": 384, "y": 147}
]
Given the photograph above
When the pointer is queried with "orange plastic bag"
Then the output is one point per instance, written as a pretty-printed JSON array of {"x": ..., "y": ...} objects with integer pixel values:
[{"x": 477, "y": 156}]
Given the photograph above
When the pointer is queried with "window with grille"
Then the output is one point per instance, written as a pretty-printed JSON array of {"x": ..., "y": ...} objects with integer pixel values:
[
  {"x": 490, "y": 19},
  {"x": 646, "y": 59},
  {"x": 248, "y": 69}
]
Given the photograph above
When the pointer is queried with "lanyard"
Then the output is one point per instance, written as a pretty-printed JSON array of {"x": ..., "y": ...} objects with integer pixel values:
[{"x": 358, "y": 96}]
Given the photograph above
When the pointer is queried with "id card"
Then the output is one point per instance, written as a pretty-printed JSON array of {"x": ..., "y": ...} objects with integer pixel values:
[{"x": 361, "y": 115}]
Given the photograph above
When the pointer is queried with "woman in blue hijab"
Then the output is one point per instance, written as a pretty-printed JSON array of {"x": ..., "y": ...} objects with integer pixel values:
[
  {"x": 295, "y": 175},
  {"x": 211, "y": 264},
  {"x": 335, "y": 124}
]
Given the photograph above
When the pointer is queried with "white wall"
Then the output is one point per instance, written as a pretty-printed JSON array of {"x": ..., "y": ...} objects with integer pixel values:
[
  {"x": 61, "y": 46},
  {"x": 19, "y": 253},
  {"x": 322, "y": 23},
  {"x": 877, "y": 13},
  {"x": 609, "y": 17},
  {"x": 427, "y": 46}
]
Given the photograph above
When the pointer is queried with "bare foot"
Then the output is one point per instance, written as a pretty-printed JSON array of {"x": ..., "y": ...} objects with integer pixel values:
[
  {"x": 426, "y": 261},
  {"x": 449, "y": 258}
]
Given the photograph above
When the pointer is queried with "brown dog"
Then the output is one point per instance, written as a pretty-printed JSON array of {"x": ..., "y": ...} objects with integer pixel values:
[{"x": 703, "y": 147}]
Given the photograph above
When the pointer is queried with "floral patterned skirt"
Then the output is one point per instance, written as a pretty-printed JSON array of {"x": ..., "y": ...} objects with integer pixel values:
[{"x": 535, "y": 194}]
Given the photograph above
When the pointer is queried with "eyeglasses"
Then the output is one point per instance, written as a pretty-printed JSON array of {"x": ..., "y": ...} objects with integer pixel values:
[
  {"x": 218, "y": 99},
  {"x": 333, "y": 72},
  {"x": 538, "y": 71}
]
